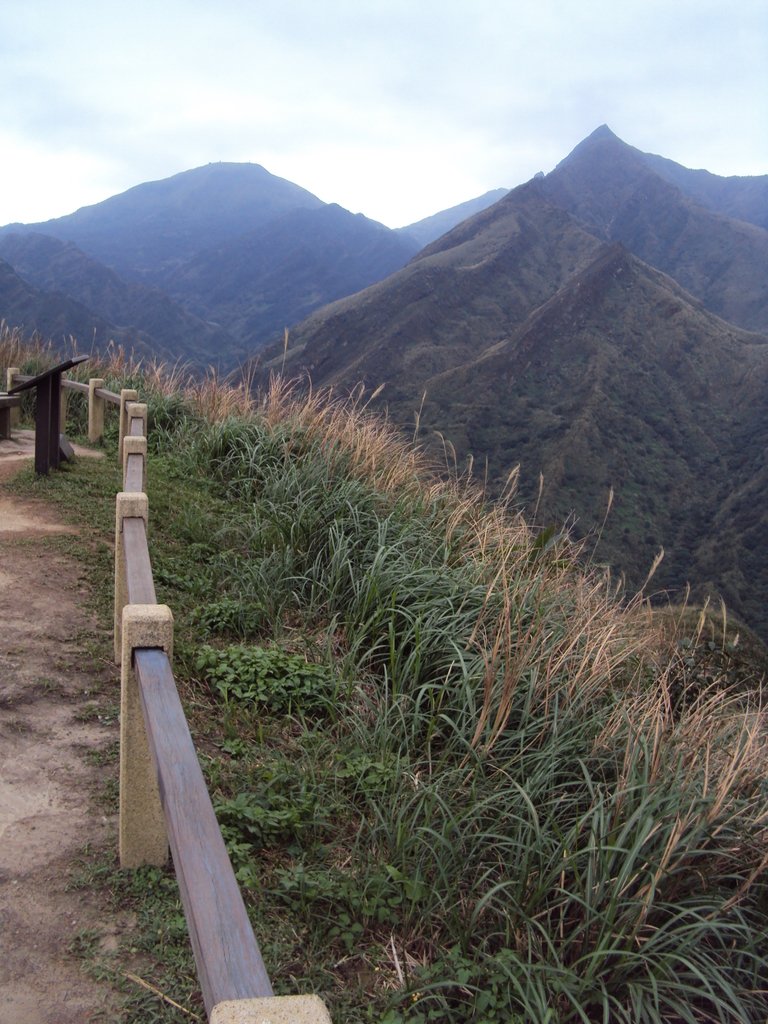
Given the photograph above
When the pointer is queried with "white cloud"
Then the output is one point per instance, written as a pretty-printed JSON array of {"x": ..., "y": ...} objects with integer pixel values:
[{"x": 390, "y": 107}]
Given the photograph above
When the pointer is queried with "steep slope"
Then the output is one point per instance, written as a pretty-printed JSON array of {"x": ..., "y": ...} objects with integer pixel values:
[
  {"x": 615, "y": 191},
  {"x": 159, "y": 224},
  {"x": 457, "y": 297},
  {"x": 269, "y": 279},
  {"x": 622, "y": 381},
  {"x": 529, "y": 334},
  {"x": 55, "y": 266}
]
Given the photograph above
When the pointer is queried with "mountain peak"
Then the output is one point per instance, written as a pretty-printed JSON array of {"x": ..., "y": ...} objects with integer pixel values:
[
  {"x": 603, "y": 132},
  {"x": 599, "y": 143}
]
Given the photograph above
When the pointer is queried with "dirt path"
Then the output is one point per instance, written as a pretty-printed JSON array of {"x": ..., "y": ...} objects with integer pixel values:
[{"x": 48, "y": 786}]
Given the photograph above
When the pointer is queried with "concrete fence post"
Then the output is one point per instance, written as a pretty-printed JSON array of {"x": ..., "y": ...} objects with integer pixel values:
[
  {"x": 135, "y": 446},
  {"x": 126, "y": 395},
  {"x": 143, "y": 837},
  {"x": 96, "y": 408},
  {"x": 272, "y": 1010},
  {"x": 128, "y": 505},
  {"x": 136, "y": 410},
  {"x": 14, "y": 411}
]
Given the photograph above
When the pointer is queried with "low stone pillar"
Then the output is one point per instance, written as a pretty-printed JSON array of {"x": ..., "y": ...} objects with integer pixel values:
[
  {"x": 134, "y": 410},
  {"x": 143, "y": 836},
  {"x": 127, "y": 506},
  {"x": 96, "y": 407},
  {"x": 274, "y": 1010},
  {"x": 126, "y": 395}
]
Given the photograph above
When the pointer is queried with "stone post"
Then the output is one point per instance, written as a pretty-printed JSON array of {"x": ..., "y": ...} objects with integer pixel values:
[
  {"x": 273, "y": 1010},
  {"x": 143, "y": 836},
  {"x": 135, "y": 446},
  {"x": 126, "y": 395},
  {"x": 96, "y": 408}
]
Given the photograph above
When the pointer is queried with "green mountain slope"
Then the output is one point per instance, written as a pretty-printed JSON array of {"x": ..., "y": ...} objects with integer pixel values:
[
  {"x": 621, "y": 383},
  {"x": 457, "y": 297},
  {"x": 618, "y": 195},
  {"x": 542, "y": 332}
]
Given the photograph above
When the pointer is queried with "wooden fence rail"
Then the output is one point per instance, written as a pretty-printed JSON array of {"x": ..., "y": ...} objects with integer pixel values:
[{"x": 163, "y": 797}]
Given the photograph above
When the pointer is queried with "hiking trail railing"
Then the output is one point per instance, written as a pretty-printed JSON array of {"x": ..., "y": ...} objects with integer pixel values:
[{"x": 164, "y": 801}]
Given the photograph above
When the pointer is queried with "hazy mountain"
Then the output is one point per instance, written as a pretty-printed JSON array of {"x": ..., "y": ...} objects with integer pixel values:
[
  {"x": 269, "y": 279},
  {"x": 430, "y": 228},
  {"x": 157, "y": 225},
  {"x": 169, "y": 331},
  {"x": 617, "y": 193},
  {"x": 242, "y": 253},
  {"x": 59, "y": 318},
  {"x": 530, "y": 334},
  {"x": 742, "y": 198}
]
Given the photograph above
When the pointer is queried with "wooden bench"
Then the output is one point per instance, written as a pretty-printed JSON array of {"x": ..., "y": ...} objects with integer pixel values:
[{"x": 7, "y": 402}]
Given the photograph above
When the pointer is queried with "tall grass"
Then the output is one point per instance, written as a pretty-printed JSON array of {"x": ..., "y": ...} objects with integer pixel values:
[
  {"x": 532, "y": 799},
  {"x": 566, "y": 841}
]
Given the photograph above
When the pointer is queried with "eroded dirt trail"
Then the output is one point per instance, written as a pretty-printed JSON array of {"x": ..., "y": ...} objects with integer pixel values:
[{"x": 49, "y": 809}]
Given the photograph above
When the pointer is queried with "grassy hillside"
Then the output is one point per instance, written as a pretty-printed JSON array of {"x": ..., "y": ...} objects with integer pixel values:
[
  {"x": 533, "y": 339},
  {"x": 461, "y": 778}
]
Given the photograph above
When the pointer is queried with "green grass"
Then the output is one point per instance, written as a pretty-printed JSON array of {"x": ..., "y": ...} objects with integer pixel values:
[{"x": 460, "y": 778}]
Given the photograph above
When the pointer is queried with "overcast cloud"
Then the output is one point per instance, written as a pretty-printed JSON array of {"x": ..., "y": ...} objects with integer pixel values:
[{"x": 395, "y": 109}]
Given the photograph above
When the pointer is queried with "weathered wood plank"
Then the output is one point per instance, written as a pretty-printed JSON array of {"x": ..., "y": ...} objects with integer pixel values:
[
  {"x": 229, "y": 963},
  {"x": 134, "y": 474},
  {"x": 108, "y": 396},
  {"x": 140, "y": 585},
  {"x": 136, "y": 427},
  {"x": 75, "y": 385}
]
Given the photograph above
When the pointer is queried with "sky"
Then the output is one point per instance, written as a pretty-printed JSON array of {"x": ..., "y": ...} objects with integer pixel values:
[{"x": 394, "y": 109}]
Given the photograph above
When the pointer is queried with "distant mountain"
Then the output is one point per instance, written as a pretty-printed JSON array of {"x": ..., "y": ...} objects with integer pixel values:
[
  {"x": 209, "y": 265},
  {"x": 266, "y": 280},
  {"x": 170, "y": 332},
  {"x": 154, "y": 227},
  {"x": 742, "y": 198},
  {"x": 617, "y": 193},
  {"x": 457, "y": 297},
  {"x": 430, "y": 228},
  {"x": 59, "y": 318},
  {"x": 574, "y": 328}
]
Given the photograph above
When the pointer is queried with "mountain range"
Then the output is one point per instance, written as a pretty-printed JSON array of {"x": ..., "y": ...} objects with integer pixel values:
[
  {"x": 601, "y": 333},
  {"x": 598, "y": 334},
  {"x": 205, "y": 267}
]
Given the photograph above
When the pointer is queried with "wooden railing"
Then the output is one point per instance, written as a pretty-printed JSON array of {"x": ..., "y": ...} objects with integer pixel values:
[{"x": 164, "y": 800}]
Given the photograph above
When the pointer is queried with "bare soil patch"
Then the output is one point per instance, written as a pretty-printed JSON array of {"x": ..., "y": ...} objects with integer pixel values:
[{"x": 49, "y": 786}]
